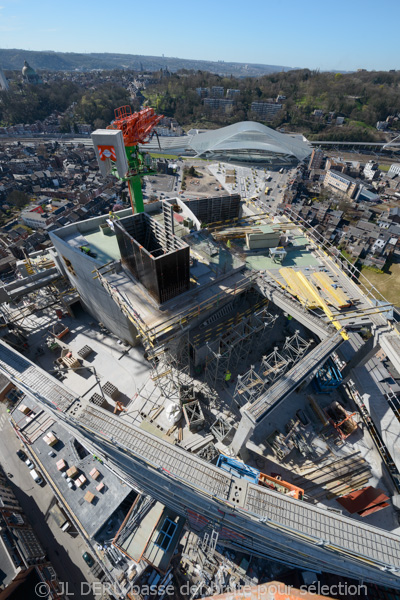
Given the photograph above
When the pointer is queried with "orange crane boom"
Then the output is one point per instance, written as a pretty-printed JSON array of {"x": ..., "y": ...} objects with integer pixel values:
[{"x": 136, "y": 127}]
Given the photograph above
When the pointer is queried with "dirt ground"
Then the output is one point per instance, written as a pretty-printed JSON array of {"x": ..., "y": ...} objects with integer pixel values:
[
  {"x": 204, "y": 185},
  {"x": 387, "y": 283},
  {"x": 161, "y": 182}
]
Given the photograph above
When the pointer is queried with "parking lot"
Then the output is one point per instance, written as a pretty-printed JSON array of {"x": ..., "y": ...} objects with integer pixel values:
[{"x": 263, "y": 187}]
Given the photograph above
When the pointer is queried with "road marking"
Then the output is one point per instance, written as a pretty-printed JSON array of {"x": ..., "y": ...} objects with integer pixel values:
[{"x": 3, "y": 421}]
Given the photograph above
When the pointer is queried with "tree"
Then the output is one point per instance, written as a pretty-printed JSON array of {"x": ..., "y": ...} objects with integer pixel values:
[{"x": 18, "y": 199}]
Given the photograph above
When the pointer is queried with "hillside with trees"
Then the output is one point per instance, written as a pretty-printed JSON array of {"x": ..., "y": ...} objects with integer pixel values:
[
  {"x": 27, "y": 104},
  {"x": 363, "y": 98},
  {"x": 70, "y": 61},
  {"x": 31, "y": 103}
]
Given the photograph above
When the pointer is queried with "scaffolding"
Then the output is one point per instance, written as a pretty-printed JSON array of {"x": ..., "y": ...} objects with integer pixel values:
[
  {"x": 273, "y": 365},
  {"x": 171, "y": 369},
  {"x": 209, "y": 543},
  {"x": 153, "y": 339},
  {"x": 209, "y": 453},
  {"x": 222, "y": 429},
  {"x": 256, "y": 381},
  {"x": 232, "y": 348},
  {"x": 249, "y": 387},
  {"x": 193, "y": 415},
  {"x": 295, "y": 347}
]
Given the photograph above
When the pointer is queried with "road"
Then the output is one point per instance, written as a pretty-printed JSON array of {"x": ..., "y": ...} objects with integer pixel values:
[{"x": 63, "y": 550}]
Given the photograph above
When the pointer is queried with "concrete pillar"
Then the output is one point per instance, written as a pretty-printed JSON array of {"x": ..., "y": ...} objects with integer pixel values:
[
  {"x": 363, "y": 355},
  {"x": 242, "y": 436}
]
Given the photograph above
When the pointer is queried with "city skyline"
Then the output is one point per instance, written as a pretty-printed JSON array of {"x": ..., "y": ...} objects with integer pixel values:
[{"x": 296, "y": 35}]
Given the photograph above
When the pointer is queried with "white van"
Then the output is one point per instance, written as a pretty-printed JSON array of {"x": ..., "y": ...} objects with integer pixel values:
[{"x": 36, "y": 477}]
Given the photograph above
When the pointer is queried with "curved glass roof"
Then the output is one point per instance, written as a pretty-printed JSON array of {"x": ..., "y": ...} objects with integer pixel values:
[{"x": 251, "y": 136}]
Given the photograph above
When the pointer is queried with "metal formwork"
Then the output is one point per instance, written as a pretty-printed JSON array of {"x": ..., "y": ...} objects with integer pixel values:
[
  {"x": 154, "y": 255},
  {"x": 216, "y": 208}
]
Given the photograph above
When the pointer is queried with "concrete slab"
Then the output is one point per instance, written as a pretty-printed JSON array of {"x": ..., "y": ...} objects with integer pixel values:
[
  {"x": 105, "y": 246},
  {"x": 92, "y": 516}
]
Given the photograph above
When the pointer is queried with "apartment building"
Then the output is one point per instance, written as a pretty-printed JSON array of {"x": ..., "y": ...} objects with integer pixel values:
[
  {"x": 231, "y": 93},
  {"x": 217, "y": 91},
  {"x": 203, "y": 92},
  {"x": 266, "y": 110},
  {"x": 371, "y": 170},
  {"x": 219, "y": 104},
  {"x": 394, "y": 169},
  {"x": 341, "y": 183},
  {"x": 316, "y": 159}
]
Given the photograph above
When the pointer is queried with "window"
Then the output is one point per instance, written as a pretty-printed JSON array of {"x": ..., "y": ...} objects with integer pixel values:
[
  {"x": 69, "y": 266},
  {"x": 166, "y": 534}
]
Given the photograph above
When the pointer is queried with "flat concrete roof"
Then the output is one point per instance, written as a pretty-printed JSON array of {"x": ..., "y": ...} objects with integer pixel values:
[{"x": 91, "y": 516}]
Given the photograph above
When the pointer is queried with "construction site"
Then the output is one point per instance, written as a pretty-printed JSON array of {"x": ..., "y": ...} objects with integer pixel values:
[{"x": 234, "y": 374}]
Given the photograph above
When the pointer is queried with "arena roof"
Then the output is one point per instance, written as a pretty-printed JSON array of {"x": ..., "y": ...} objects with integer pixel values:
[{"x": 249, "y": 136}]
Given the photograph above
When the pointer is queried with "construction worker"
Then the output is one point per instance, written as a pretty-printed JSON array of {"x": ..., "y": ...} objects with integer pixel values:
[
  {"x": 228, "y": 376},
  {"x": 111, "y": 218}
]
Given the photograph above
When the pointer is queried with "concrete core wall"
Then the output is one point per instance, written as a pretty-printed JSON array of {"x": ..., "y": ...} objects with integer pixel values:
[{"x": 95, "y": 298}]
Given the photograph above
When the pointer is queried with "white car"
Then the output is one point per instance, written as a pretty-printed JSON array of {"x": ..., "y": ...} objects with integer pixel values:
[
  {"x": 29, "y": 464},
  {"x": 35, "y": 476}
]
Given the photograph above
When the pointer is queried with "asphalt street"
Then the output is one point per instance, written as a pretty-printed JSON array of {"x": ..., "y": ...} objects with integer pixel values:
[{"x": 63, "y": 550}]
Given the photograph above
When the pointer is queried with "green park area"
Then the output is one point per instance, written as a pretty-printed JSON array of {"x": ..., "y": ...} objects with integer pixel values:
[{"x": 388, "y": 284}]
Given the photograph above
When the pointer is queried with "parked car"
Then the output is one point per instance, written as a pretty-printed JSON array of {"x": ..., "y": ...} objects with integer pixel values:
[
  {"x": 36, "y": 477},
  {"x": 21, "y": 455},
  {"x": 88, "y": 559},
  {"x": 29, "y": 464}
]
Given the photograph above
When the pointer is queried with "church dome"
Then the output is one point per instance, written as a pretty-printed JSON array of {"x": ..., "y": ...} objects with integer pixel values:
[{"x": 27, "y": 70}]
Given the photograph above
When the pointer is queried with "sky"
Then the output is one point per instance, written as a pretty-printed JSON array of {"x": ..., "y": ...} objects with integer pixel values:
[{"x": 344, "y": 35}]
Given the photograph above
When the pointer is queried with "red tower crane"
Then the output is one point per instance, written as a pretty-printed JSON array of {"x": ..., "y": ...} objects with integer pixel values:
[{"x": 136, "y": 129}]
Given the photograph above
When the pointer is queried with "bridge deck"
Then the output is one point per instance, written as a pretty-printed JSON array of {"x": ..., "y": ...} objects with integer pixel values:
[
  {"x": 294, "y": 516},
  {"x": 289, "y": 382},
  {"x": 339, "y": 534},
  {"x": 23, "y": 371}
]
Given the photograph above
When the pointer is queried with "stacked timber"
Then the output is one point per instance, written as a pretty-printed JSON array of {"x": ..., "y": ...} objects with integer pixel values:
[{"x": 334, "y": 479}]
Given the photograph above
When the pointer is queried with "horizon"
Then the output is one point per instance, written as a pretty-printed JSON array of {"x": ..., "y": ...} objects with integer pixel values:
[{"x": 301, "y": 36}]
